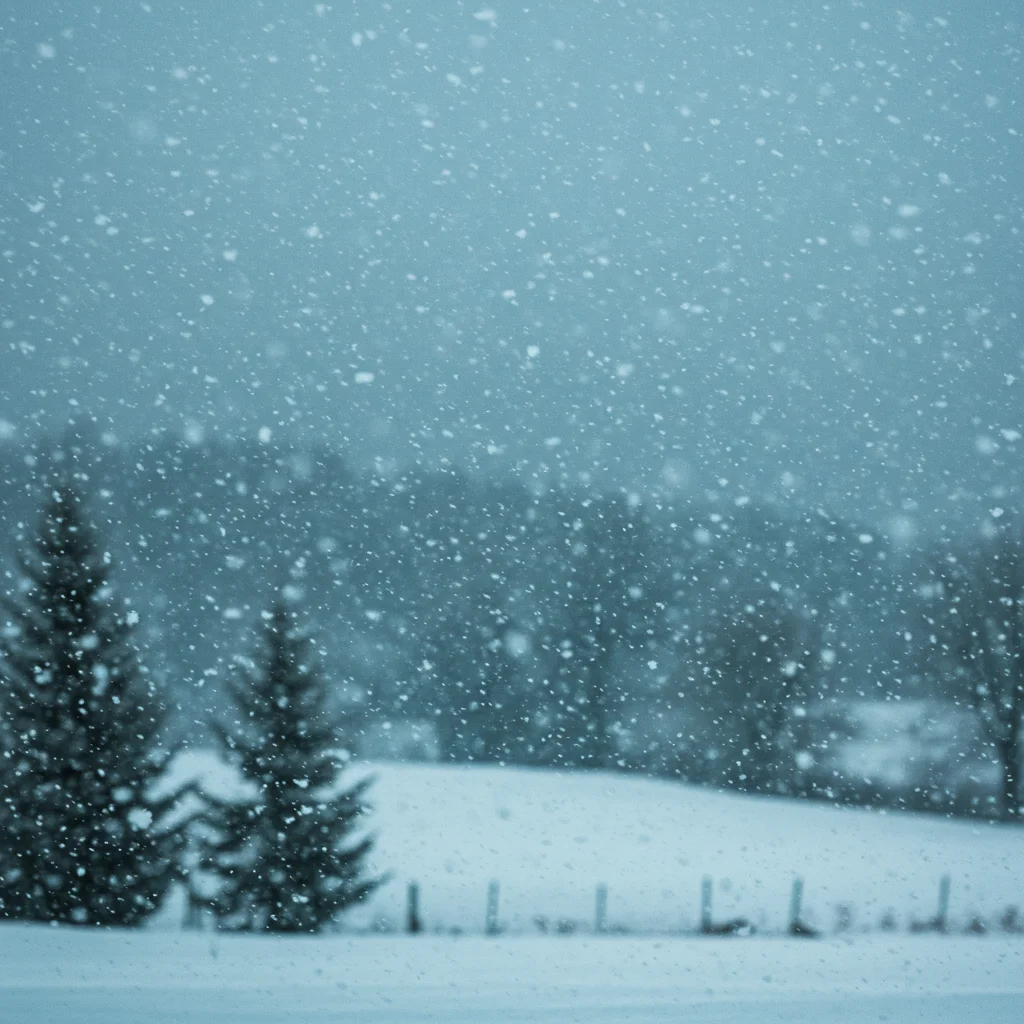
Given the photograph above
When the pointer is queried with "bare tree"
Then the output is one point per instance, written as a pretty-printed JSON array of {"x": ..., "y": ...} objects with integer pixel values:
[
  {"x": 986, "y": 592},
  {"x": 766, "y": 667},
  {"x": 609, "y": 603}
]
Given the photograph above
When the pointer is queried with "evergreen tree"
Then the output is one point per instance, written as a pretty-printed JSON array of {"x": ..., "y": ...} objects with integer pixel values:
[
  {"x": 83, "y": 836},
  {"x": 286, "y": 858}
]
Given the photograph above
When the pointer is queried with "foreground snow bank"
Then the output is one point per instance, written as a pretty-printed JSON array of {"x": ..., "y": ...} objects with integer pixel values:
[
  {"x": 549, "y": 838},
  {"x": 58, "y": 976}
]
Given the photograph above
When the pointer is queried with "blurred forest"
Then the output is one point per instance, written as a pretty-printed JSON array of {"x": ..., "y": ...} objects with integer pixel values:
[{"x": 476, "y": 618}]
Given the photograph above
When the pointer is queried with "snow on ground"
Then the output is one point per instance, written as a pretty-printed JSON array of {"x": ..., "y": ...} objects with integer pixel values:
[
  {"x": 82, "y": 976},
  {"x": 549, "y": 838}
]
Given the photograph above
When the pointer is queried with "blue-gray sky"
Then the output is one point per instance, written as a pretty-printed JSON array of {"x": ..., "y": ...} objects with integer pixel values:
[{"x": 775, "y": 245}]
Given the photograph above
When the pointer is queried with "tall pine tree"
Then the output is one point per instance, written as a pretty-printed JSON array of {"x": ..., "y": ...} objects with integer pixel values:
[
  {"x": 287, "y": 858},
  {"x": 83, "y": 838}
]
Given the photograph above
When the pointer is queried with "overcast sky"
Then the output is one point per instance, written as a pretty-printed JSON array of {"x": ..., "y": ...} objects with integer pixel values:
[{"x": 774, "y": 249}]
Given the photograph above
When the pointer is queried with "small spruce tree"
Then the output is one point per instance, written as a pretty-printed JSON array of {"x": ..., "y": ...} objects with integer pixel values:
[
  {"x": 84, "y": 839},
  {"x": 286, "y": 858}
]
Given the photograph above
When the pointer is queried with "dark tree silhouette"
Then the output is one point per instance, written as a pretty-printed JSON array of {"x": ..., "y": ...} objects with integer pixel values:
[
  {"x": 469, "y": 683},
  {"x": 986, "y": 592},
  {"x": 287, "y": 857},
  {"x": 84, "y": 837},
  {"x": 767, "y": 655},
  {"x": 495, "y": 718},
  {"x": 608, "y": 602}
]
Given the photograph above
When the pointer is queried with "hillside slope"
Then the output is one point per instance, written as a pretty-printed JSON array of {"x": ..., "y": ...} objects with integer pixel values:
[{"x": 549, "y": 838}]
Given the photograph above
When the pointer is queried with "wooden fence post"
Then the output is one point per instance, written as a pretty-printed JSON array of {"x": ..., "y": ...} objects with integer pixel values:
[
  {"x": 491, "y": 921},
  {"x": 193, "y": 910},
  {"x": 796, "y": 898},
  {"x": 601, "y": 910},
  {"x": 797, "y": 925},
  {"x": 705, "y": 906},
  {"x": 413, "y": 924},
  {"x": 942, "y": 918}
]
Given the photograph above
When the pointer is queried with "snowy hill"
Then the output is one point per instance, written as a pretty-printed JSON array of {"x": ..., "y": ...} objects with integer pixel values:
[{"x": 549, "y": 838}]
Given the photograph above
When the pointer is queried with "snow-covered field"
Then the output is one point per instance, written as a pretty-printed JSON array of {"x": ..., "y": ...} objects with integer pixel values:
[
  {"x": 549, "y": 838},
  {"x": 67, "y": 976}
]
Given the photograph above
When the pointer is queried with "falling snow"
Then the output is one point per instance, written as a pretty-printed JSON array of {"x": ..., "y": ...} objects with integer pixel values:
[{"x": 567, "y": 456}]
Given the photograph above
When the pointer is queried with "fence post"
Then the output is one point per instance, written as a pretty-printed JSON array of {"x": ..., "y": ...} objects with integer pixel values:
[
  {"x": 705, "y": 905},
  {"x": 796, "y": 897},
  {"x": 491, "y": 922},
  {"x": 193, "y": 910},
  {"x": 942, "y": 918},
  {"x": 413, "y": 924},
  {"x": 601, "y": 910}
]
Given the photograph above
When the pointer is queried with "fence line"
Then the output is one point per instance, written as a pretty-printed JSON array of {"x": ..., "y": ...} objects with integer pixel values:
[
  {"x": 796, "y": 924},
  {"x": 197, "y": 914}
]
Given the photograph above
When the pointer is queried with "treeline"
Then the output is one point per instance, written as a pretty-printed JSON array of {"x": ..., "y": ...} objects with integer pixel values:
[
  {"x": 710, "y": 638},
  {"x": 93, "y": 830}
]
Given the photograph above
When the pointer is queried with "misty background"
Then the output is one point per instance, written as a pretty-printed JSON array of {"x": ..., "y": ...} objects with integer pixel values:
[
  {"x": 604, "y": 386},
  {"x": 774, "y": 251}
]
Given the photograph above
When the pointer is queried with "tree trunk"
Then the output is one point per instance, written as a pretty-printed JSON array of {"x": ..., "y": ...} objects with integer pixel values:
[
  {"x": 601, "y": 748},
  {"x": 1010, "y": 756},
  {"x": 446, "y": 732}
]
